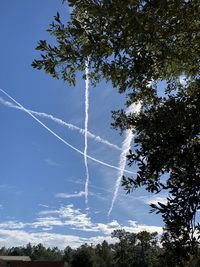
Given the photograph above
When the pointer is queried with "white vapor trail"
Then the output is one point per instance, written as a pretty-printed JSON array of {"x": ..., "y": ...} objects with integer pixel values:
[
  {"x": 60, "y": 138},
  {"x": 62, "y": 123},
  {"x": 134, "y": 108},
  {"x": 86, "y": 129}
]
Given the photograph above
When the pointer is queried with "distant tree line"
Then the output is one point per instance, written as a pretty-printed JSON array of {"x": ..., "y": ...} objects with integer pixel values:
[{"x": 130, "y": 250}]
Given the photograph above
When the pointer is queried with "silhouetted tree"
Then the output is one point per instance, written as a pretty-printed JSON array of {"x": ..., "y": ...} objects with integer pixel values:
[{"x": 83, "y": 256}]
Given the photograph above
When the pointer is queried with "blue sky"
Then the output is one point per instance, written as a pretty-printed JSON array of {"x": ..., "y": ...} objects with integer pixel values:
[{"x": 41, "y": 179}]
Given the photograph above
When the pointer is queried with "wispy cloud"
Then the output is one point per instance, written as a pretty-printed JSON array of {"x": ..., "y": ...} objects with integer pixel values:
[
  {"x": 21, "y": 238},
  {"x": 44, "y": 206},
  {"x": 72, "y": 217},
  {"x": 74, "y": 195},
  {"x": 12, "y": 225},
  {"x": 47, "y": 228},
  {"x": 20, "y": 233},
  {"x": 68, "y": 215},
  {"x": 136, "y": 228},
  {"x": 153, "y": 199}
]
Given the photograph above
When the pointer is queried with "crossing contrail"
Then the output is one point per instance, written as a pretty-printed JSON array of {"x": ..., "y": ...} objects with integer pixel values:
[
  {"x": 134, "y": 108},
  {"x": 60, "y": 138},
  {"x": 62, "y": 123},
  {"x": 86, "y": 129}
]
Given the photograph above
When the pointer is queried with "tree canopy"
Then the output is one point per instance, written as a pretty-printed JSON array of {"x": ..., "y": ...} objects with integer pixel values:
[
  {"x": 136, "y": 44},
  {"x": 130, "y": 43}
]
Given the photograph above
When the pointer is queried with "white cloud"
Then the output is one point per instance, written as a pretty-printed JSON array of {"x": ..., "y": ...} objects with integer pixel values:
[
  {"x": 70, "y": 216},
  {"x": 20, "y": 233},
  {"x": 45, "y": 222},
  {"x": 97, "y": 212},
  {"x": 154, "y": 199},
  {"x": 47, "y": 228},
  {"x": 114, "y": 223},
  {"x": 136, "y": 228},
  {"x": 44, "y": 206},
  {"x": 11, "y": 238},
  {"x": 76, "y": 220},
  {"x": 12, "y": 225},
  {"x": 74, "y": 195},
  {"x": 132, "y": 223}
]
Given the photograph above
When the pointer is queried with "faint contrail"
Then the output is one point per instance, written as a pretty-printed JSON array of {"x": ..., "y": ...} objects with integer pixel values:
[
  {"x": 134, "y": 108},
  {"x": 60, "y": 138},
  {"x": 86, "y": 128},
  {"x": 62, "y": 123}
]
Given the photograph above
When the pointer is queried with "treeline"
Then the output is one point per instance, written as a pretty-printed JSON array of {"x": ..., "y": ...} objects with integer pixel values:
[{"x": 130, "y": 250}]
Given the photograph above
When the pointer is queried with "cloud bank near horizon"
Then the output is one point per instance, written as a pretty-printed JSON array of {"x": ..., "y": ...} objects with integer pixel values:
[{"x": 42, "y": 229}]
